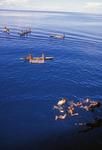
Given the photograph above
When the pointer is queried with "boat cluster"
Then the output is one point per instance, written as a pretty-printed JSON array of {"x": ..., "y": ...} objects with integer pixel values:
[
  {"x": 26, "y": 31},
  {"x": 68, "y": 108},
  {"x": 23, "y": 32}
]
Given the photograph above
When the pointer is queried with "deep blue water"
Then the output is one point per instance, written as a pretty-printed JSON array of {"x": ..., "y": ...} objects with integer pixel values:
[{"x": 29, "y": 91}]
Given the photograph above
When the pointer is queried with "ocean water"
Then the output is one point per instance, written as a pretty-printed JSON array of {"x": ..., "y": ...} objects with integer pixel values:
[{"x": 29, "y": 91}]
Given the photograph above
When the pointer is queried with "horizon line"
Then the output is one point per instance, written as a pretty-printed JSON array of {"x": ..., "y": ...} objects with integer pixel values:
[{"x": 49, "y": 11}]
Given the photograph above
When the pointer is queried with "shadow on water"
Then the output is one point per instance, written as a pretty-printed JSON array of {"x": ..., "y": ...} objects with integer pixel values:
[
  {"x": 68, "y": 139},
  {"x": 63, "y": 141},
  {"x": 73, "y": 139},
  {"x": 97, "y": 123}
]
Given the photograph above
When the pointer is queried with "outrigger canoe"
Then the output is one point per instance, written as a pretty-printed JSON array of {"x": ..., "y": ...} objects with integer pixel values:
[
  {"x": 38, "y": 60},
  {"x": 6, "y": 30},
  {"x": 25, "y": 32},
  {"x": 57, "y": 36}
]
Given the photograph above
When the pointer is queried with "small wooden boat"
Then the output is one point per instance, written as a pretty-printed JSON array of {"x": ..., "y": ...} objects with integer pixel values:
[
  {"x": 25, "y": 32},
  {"x": 57, "y": 36},
  {"x": 36, "y": 61},
  {"x": 6, "y": 30},
  {"x": 41, "y": 59}
]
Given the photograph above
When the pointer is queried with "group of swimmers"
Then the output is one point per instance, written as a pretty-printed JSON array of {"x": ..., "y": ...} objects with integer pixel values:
[{"x": 66, "y": 109}]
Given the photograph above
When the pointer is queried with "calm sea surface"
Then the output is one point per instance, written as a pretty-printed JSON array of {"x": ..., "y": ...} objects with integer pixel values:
[{"x": 29, "y": 91}]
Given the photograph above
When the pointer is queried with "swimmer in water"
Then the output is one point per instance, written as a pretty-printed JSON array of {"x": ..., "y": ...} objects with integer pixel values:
[
  {"x": 71, "y": 111},
  {"x": 78, "y": 104},
  {"x": 62, "y": 102},
  {"x": 59, "y": 108},
  {"x": 92, "y": 105},
  {"x": 61, "y": 117},
  {"x": 60, "y": 105}
]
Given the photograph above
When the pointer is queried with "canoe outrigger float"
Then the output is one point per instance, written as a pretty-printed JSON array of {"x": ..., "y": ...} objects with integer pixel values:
[{"x": 37, "y": 60}]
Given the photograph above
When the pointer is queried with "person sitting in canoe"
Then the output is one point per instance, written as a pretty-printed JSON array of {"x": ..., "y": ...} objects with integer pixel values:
[
  {"x": 29, "y": 57},
  {"x": 7, "y": 30}
]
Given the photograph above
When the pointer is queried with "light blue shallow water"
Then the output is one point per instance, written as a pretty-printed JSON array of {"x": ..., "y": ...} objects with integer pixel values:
[{"x": 29, "y": 91}]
